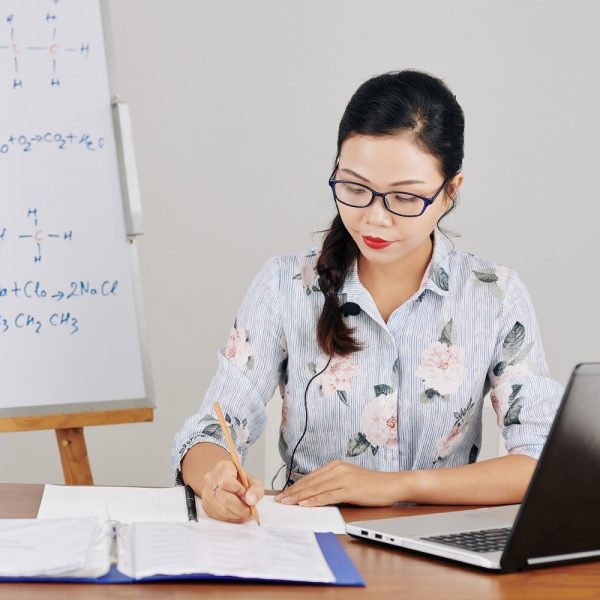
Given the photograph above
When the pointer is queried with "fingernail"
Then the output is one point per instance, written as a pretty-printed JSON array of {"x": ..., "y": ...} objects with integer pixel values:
[
  {"x": 304, "y": 503},
  {"x": 251, "y": 498},
  {"x": 287, "y": 500},
  {"x": 277, "y": 498}
]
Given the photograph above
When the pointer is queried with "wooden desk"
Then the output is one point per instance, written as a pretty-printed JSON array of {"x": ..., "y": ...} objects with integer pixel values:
[{"x": 390, "y": 574}]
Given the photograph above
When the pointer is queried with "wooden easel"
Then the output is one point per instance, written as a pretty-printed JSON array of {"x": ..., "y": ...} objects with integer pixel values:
[{"x": 70, "y": 438}]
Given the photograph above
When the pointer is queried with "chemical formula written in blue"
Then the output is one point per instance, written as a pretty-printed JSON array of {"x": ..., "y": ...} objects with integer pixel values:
[
  {"x": 23, "y": 142},
  {"x": 18, "y": 47},
  {"x": 36, "y": 320},
  {"x": 33, "y": 324}
]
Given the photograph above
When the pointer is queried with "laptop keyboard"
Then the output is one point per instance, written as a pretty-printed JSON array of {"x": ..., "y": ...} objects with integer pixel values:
[{"x": 484, "y": 540}]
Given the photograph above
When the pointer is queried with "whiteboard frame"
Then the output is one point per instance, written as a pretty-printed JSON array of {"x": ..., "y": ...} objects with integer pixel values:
[{"x": 149, "y": 400}]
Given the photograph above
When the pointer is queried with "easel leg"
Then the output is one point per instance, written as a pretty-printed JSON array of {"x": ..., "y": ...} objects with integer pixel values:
[{"x": 73, "y": 456}]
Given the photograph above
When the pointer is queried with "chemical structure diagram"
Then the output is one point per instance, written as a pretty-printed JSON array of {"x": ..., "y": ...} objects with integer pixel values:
[
  {"x": 14, "y": 44},
  {"x": 38, "y": 235}
]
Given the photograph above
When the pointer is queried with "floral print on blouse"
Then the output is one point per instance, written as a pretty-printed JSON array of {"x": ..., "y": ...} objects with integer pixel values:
[{"x": 412, "y": 397}]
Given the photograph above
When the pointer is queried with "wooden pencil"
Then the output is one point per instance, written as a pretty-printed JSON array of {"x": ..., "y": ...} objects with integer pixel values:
[{"x": 234, "y": 455}]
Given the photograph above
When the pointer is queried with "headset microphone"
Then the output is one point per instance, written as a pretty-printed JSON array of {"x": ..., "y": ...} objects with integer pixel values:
[{"x": 350, "y": 309}]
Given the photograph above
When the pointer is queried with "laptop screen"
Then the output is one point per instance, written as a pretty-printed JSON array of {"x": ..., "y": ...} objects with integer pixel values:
[{"x": 560, "y": 513}]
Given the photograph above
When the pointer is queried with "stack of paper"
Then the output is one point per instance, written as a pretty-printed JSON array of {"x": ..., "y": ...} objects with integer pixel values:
[
  {"x": 82, "y": 548},
  {"x": 116, "y": 535},
  {"x": 130, "y": 505},
  {"x": 218, "y": 548},
  {"x": 57, "y": 548}
]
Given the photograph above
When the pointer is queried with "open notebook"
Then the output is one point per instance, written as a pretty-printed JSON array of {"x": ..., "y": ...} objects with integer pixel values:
[{"x": 93, "y": 549}]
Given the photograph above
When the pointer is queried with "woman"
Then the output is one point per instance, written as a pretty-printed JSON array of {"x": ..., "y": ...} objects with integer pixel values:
[{"x": 385, "y": 340}]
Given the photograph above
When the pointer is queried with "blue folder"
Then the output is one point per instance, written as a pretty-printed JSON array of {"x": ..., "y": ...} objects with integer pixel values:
[{"x": 339, "y": 562}]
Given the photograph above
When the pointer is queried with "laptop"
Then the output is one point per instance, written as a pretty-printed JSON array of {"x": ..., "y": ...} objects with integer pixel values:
[{"x": 559, "y": 518}]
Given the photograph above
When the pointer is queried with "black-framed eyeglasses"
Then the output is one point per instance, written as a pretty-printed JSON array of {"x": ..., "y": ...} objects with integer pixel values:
[{"x": 403, "y": 204}]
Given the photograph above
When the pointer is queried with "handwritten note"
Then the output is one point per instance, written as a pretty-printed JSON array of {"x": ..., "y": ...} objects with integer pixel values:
[{"x": 68, "y": 283}]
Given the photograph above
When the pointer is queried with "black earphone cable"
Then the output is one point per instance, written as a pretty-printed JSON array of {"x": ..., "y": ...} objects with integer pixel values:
[
  {"x": 276, "y": 474},
  {"x": 290, "y": 466},
  {"x": 347, "y": 309}
]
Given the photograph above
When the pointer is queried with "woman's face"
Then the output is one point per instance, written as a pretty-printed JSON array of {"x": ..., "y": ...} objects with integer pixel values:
[{"x": 390, "y": 164}]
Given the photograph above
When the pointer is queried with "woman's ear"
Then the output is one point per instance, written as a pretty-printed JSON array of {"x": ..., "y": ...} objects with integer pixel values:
[
  {"x": 453, "y": 186},
  {"x": 459, "y": 178}
]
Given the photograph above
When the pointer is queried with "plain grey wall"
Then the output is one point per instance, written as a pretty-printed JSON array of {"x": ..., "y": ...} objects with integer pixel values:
[{"x": 235, "y": 108}]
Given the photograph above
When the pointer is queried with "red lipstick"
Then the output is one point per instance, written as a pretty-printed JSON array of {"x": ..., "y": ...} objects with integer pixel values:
[{"x": 375, "y": 243}]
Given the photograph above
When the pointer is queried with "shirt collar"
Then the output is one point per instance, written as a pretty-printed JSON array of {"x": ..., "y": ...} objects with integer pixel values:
[
  {"x": 437, "y": 273},
  {"x": 435, "y": 278}
]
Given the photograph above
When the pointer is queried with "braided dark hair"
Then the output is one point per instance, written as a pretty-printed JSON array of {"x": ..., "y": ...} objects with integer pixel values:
[
  {"x": 399, "y": 101},
  {"x": 337, "y": 255}
]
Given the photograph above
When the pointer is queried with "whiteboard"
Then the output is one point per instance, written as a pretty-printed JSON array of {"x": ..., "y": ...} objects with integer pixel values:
[{"x": 71, "y": 329}]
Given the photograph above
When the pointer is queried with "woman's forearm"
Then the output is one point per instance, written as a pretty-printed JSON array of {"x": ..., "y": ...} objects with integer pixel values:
[
  {"x": 500, "y": 480},
  {"x": 198, "y": 461}
]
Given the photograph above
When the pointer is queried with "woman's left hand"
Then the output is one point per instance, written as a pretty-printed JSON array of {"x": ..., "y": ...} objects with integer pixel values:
[{"x": 339, "y": 482}]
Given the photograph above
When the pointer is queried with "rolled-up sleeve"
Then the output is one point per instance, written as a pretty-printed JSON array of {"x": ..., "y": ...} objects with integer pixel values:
[
  {"x": 523, "y": 394},
  {"x": 249, "y": 368}
]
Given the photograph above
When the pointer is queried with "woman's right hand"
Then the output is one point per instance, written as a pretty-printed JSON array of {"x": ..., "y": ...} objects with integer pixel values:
[{"x": 225, "y": 498}]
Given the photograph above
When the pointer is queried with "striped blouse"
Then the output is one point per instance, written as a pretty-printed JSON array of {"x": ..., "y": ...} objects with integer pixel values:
[{"x": 412, "y": 397}]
